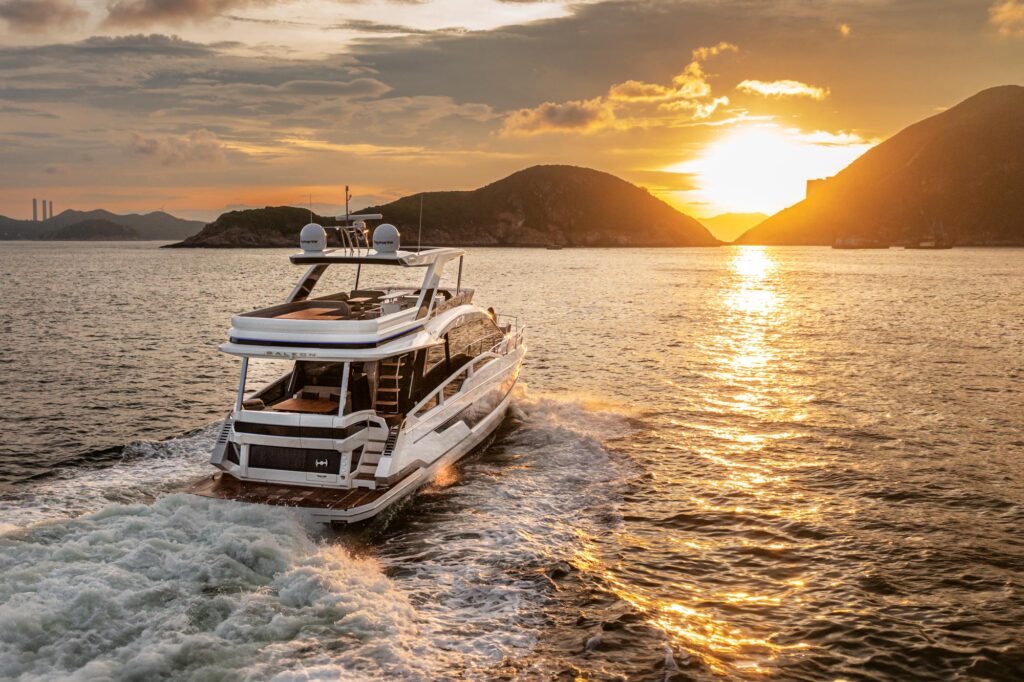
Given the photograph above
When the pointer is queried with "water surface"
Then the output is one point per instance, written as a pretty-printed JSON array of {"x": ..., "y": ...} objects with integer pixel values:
[{"x": 793, "y": 463}]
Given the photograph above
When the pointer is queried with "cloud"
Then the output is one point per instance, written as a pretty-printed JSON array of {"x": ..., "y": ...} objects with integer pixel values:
[
  {"x": 359, "y": 87},
  {"x": 575, "y": 116},
  {"x": 783, "y": 88},
  {"x": 1008, "y": 17},
  {"x": 170, "y": 150},
  {"x": 702, "y": 54},
  {"x": 40, "y": 15},
  {"x": 366, "y": 26},
  {"x": 147, "y": 12},
  {"x": 629, "y": 104}
]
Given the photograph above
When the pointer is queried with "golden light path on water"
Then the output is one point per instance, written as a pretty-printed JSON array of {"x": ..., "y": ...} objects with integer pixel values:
[{"x": 750, "y": 365}]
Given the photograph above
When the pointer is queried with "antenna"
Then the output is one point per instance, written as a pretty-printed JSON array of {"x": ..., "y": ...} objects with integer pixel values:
[
  {"x": 310, "y": 207},
  {"x": 419, "y": 235},
  {"x": 347, "y": 197}
]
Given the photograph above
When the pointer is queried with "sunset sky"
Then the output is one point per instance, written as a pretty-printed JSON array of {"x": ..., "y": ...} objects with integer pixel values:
[{"x": 200, "y": 106}]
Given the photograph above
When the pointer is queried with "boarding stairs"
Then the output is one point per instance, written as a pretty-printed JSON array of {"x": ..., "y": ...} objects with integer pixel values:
[
  {"x": 365, "y": 473},
  {"x": 394, "y": 378}
]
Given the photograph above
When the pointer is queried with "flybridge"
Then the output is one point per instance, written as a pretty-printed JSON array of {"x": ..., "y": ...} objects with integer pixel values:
[
  {"x": 405, "y": 258},
  {"x": 362, "y": 322}
]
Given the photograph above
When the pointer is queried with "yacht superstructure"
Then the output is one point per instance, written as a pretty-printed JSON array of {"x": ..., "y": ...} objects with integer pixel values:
[{"x": 382, "y": 385}]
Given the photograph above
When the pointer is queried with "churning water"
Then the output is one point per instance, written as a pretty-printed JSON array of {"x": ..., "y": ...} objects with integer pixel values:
[{"x": 792, "y": 463}]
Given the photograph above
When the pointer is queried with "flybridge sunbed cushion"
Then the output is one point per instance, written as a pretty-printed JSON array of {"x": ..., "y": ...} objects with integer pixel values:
[
  {"x": 336, "y": 311},
  {"x": 306, "y": 405}
]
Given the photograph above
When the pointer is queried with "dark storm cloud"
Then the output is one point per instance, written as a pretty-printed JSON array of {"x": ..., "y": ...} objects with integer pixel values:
[{"x": 40, "y": 15}]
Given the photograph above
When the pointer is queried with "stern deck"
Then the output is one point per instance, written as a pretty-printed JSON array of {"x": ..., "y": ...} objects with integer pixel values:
[{"x": 226, "y": 487}]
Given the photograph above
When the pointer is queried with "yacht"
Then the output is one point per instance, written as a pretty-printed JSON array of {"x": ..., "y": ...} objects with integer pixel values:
[{"x": 370, "y": 390}]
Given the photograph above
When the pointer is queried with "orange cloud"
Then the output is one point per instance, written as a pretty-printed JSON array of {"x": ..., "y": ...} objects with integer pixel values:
[
  {"x": 630, "y": 104},
  {"x": 783, "y": 88},
  {"x": 1008, "y": 17}
]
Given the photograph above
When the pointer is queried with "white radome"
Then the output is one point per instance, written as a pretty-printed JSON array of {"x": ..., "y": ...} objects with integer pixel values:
[
  {"x": 385, "y": 238},
  {"x": 313, "y": 238}
]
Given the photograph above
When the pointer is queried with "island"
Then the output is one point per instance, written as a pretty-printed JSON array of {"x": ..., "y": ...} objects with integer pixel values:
[{"x": 563, "y": 206}]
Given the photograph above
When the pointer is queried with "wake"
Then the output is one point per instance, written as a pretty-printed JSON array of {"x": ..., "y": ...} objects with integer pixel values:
[{"x": 145, "y": 583}]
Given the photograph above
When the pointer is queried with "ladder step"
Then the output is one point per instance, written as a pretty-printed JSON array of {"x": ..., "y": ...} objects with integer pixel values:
[
  {"x": 385, "y": 389},
  {"x": 395, "y": 377},
  {"x": 367, "y": 482},
  {"x": 387, "y": 402}
]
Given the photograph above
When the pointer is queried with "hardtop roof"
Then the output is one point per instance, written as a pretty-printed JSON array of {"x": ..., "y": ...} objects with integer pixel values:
[{"x": 369, "y": 256}]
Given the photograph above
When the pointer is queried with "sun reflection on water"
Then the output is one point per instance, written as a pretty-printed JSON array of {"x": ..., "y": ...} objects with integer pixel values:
[{"x": 744, "y": 422}]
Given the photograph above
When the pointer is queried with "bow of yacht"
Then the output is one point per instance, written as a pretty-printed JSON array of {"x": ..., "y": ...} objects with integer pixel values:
[{"x": 353, "y": 399}]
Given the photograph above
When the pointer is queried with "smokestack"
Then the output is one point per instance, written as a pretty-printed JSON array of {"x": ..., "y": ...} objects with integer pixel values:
[
  {"x": 35, "y": 210},
  {"x": 44, "y": 208},
  {"x": 51, "y": 209}
]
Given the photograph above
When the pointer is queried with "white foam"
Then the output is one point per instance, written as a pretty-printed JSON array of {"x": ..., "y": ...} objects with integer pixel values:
[
  {"x": 477, "y": 570},
  {"x": 194, "y": 588}
]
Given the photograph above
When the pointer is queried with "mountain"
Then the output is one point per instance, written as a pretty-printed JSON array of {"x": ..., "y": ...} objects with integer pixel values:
[
  {"x": 538, "y": 206},
  {"x": 156, "y": 225},
  {"x": 93, "y": 229},
  {"x": 958, "y": 173},
  {"x": 257, "y": 227},
  {"x": 728, "y": 226}
]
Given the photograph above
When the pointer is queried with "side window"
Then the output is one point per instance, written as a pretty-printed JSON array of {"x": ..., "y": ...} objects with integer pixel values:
[
  {"x": 474, "y": 336},
  {"x": 435, "y": 356}
]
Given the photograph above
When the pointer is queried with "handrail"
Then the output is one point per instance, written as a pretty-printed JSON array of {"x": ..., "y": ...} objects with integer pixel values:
[
  {"x": 278, "y": 418},
  {"x": 464, "y": 297},
  {"x": 498, "y": 350}
]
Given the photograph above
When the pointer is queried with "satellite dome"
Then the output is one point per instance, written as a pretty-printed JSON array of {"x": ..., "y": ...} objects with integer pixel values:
[
  {"x": 313, "y": 238},
  {"x": 385, "y": 238}
]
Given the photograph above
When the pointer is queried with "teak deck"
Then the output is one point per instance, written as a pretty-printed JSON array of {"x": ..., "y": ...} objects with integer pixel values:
[{"x": 227, "y": 487}]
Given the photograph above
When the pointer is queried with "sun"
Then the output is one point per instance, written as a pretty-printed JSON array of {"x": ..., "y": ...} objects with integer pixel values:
[{"x": 763, "y": 168}]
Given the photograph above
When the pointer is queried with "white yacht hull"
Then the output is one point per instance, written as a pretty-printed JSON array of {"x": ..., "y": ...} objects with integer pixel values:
[
  {"x": 412, "y": 483},
  {"x": 425, "y": 446}
]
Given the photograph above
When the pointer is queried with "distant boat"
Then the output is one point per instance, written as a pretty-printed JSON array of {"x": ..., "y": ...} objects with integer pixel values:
[
  {"x": 930, "y": 244},
  {"x": 859, "y": 243}
]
